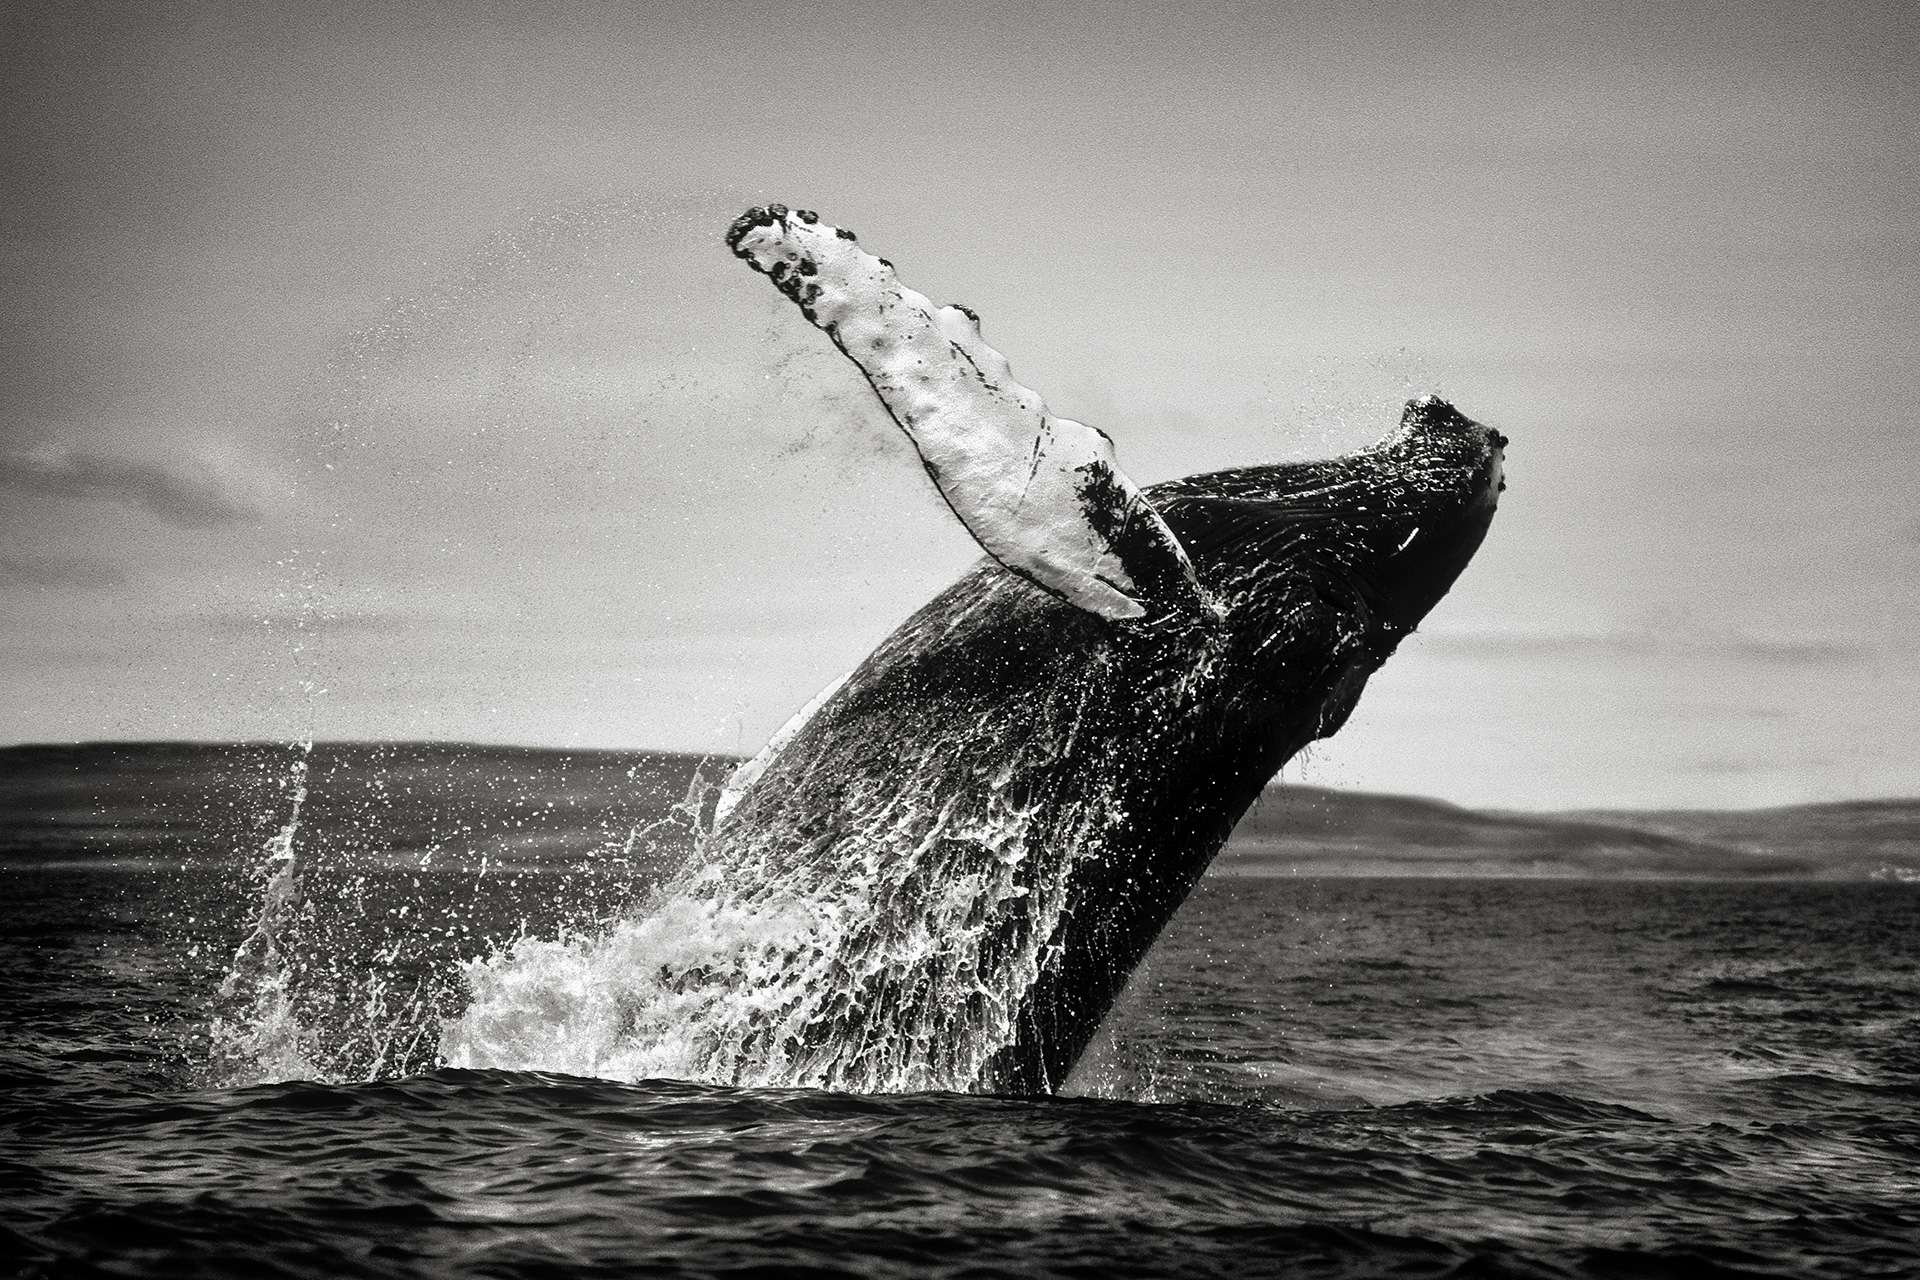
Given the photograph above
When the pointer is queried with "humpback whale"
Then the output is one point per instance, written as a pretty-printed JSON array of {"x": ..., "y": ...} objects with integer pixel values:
[
  {"x": 942, "y": 871},
  {"x": 1029, "y": 775}
]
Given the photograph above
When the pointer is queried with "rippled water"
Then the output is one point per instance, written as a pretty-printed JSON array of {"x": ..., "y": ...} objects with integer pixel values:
[{"x": 1343, "y": 1077}]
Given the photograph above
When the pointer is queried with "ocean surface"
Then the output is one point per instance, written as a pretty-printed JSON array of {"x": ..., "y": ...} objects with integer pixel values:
[{"x": 225, "y": 975}]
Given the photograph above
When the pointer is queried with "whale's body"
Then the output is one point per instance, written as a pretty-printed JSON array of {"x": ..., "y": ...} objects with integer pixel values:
[
  {"x": 1033, "y": 790},
  {"x": 941, "y": 873}
]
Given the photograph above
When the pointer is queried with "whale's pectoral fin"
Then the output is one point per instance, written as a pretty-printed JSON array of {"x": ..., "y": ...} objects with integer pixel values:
[{"x": 1041, "y": 494}]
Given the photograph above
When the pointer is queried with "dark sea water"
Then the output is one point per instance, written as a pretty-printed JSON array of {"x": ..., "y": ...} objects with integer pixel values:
[{"x": 1404, "y": 1077}]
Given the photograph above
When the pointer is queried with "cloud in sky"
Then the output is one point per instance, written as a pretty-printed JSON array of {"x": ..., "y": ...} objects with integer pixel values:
[
  {"x": 186, "y": 492},
  {"x": 457, "y": 286}
]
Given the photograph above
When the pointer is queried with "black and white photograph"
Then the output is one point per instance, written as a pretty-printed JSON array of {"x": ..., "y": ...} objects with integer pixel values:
[{"x": 870, "y": 639}]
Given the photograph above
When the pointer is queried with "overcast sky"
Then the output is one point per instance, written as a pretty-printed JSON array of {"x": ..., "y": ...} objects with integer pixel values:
[{"x": 378, "y": 371}]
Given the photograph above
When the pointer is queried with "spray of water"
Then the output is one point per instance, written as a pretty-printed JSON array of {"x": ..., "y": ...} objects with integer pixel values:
[
  {"x": 389, "y": 865},
  {"x": 902, "y": 973},
  {"x": 255, "y": 1033},
  {"x": 890, "y": 948},
  {"x": 743, "y": 968}
]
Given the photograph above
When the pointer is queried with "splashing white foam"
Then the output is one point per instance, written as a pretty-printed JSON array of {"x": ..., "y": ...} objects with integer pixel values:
[
  {"x": 646, "y": 998},
  {"x": 256, "y": 1035},
  {"x": 900, "y": 970}
]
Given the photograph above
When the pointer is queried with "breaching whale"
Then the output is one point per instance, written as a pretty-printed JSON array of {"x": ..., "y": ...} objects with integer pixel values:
[
  {"x": 1029, "y": 775},
  {"x": 941, "y": 872}
]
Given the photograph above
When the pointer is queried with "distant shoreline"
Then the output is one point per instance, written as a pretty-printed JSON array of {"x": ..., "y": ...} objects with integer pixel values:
[
  {"x": 463, "y": 745},
  {"x": 1295, "y": 831}
]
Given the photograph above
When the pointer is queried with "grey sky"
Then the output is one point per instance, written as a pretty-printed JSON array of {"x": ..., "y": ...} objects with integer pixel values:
[{"x": 378, "y": 371}]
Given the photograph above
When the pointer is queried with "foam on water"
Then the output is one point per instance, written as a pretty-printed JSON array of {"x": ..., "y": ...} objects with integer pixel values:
[{"x": 901, "y": 972}]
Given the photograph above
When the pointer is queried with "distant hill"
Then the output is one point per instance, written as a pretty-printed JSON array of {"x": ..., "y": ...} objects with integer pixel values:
[
  {"x": 1314, "y": 831},
  {"x": 158, "y": 800},
  {"x": 1888, "y": 830}
]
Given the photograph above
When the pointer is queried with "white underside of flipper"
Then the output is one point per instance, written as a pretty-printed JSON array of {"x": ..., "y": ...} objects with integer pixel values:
[{"x": 1041, "y": 494}]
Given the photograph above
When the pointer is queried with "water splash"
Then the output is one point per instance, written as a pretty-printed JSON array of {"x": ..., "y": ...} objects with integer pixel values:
[
  {"x": 256, "y": 1034},
  {"x": 891, "y": 954},
  {"x": 388, "y": 865}
]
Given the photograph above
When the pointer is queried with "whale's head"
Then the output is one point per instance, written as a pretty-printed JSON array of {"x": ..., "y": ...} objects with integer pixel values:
[
  {"x": 1344, "y": 556},
  {"x": 1427, "y": 495}
]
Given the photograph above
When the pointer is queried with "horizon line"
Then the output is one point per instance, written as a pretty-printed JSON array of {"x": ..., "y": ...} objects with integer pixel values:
[{"x": 1275, "y": 784}]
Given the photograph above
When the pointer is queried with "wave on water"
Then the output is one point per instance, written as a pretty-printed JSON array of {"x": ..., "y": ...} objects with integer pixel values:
[
  {"x": 512, "y": 1173},
  {"x": 230, "y": 1024}
]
